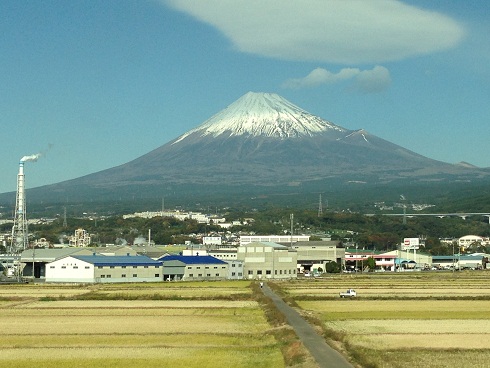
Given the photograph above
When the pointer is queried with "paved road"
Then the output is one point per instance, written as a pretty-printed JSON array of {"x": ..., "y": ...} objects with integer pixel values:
[{"x": 325, "y": 356}]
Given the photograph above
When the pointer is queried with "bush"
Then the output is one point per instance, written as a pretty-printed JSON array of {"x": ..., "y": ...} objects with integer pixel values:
[{"x": 332, "y": 267}]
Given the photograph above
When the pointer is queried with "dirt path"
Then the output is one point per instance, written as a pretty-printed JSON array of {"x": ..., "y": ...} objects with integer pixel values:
[{"x": 325, "y": 356}]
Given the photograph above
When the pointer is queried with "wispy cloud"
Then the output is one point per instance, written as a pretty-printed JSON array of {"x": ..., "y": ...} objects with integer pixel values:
[
  {"x": 364, "y": 81},
  {"x": 347, "y": 31}
]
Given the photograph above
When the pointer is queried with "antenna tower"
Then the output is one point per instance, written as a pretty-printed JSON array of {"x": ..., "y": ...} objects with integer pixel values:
[
  {"x": 19, "y": 240},
  {"x": 402, "y": 197},
  {"x": 65, "y": 224},
  {"x": 320, "y": 207}
]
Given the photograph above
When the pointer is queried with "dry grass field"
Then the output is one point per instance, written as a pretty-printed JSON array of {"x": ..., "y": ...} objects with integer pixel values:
[
  {"x": 404, "y": 320},
  {"x": 47, "y": 326}
]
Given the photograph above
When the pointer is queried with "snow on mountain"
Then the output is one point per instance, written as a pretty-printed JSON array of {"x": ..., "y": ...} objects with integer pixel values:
[{"x": 263, "y": 114}]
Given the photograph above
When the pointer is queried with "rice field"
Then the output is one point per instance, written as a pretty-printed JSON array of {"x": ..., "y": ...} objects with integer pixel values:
[
  {"x": 68, "y": 331},
  {"x": 411, "y": 320}
]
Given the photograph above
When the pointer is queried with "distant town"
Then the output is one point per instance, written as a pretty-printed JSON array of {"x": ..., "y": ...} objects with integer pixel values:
[{"x": 225, "y": 249}]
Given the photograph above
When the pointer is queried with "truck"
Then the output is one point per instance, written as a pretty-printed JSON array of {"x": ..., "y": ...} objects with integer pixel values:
[{"x": 350, "y": 293}]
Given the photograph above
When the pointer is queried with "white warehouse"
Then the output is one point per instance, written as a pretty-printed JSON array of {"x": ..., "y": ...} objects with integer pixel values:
[{"x": 104, "y": 269}]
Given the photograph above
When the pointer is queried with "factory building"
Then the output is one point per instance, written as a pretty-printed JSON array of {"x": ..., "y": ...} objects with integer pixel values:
[
  {"x": 267, "y": 260},
  {"x": 245, "y": 239},
  {"x": 104, "y": 269},
  {"x": 189, "y": 268},
  {"x": 313, "y": 256},
  {"x": 37, "y": 259}
]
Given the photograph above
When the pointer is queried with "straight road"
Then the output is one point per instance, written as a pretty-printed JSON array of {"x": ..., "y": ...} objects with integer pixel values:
[{"x": 325, "y": 356}]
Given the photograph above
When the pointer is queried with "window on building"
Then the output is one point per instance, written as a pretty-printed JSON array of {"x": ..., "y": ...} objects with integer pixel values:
[
  {"x": 250, "y": 272},
  {"x": 198, "y": 267},
  {"x": 215, "y": 267},
  {"x": 191, "y": 275},
  {"x": 268, "y": 272},
  {"x": 217, "y": 275},
  {"x": 108, "y": 276},
  {"x": 207, "y": 267},
  {"x": 102, "y": 276},
  {"x": 63, "y": 266},
  {"x": 135, "y": 275},
  {"x": 123, "y": 275},
  {"x": 233, "y": 274},
  {"x": 111, "y": 266},
  {"x": 100, "y": 267},
  {"x": 75, "y": 267},
  {"x": 146, "y": 266},
  {"x": 123, "y": 266},
  {"x": 232, "y": 265},
  {"x": 259, "y": 272},
  {"x": 200, "y": 275},
  {"x": 135, "y": 266},
  {"x": 208, "y": 275},
  {"x": 87, "y": 267},
  {"x": 157, "y": 266},
  {"x": 51, "y": 266},
  {"x": 189, "y": 268},
  {"x": 157, "y": 275},
  {"x": 240, "y": 274}
]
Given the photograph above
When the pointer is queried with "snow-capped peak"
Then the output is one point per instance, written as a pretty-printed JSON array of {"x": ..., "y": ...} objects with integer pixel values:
[{"x": 263, "y": 114}]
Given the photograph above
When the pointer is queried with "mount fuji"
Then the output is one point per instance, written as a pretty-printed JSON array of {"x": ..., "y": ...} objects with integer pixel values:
[{"x": 263, "y": 140}]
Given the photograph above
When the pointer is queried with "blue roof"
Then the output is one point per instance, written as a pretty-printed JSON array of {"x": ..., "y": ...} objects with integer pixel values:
[
  {"x": 100, "y": 260},
  {"x": 192, "y": 259},
  {"x": 403, "y": 260}
]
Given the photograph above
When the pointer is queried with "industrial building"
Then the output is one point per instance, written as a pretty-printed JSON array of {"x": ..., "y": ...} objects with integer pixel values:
[
  {"x": 37, "y": 259},
  {"x": 188, "y": 268},
  {"x": 104, "y": 269},
  {"x": 313, "y": 256},
  {"x": 245, "y": 239},
  {"x": 267, "y": 260}
]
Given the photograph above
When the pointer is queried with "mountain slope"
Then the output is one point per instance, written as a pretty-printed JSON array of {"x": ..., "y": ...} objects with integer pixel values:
[{"x": 264, "y": 140}]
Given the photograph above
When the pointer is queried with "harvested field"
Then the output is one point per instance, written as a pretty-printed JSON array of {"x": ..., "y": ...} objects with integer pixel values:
[
  {"x": 53, "y": 327},
  {"x": 411, "y": 320},
  {"x": 34, "y": 291}
]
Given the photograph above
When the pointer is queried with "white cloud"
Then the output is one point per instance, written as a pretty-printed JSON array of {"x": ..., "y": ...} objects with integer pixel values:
[
  {"x": 365, "y": 81},
  {"x": 372, "y": 81},
  {"x": 336, "y": 31}
]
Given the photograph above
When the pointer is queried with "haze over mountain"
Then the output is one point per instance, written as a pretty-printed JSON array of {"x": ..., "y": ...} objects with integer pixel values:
[{"x": 263, "y": 140}]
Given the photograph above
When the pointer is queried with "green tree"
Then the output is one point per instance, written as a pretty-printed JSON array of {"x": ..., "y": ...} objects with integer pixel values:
[
  {"x": 332, "y": 267},
  {"x": 370, "y": 263}
]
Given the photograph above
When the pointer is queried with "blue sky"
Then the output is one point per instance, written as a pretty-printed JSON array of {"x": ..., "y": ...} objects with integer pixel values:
[{"x": 94, "y": 84}]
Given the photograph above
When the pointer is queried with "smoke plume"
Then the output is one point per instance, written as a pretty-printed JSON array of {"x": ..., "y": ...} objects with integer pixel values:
[
  {"x": 35, "y": 157},
  {"x": 30, "y": 158}
]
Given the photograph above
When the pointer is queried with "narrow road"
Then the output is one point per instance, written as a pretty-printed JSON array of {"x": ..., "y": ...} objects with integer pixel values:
[{"x": 325, "y": 356}]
